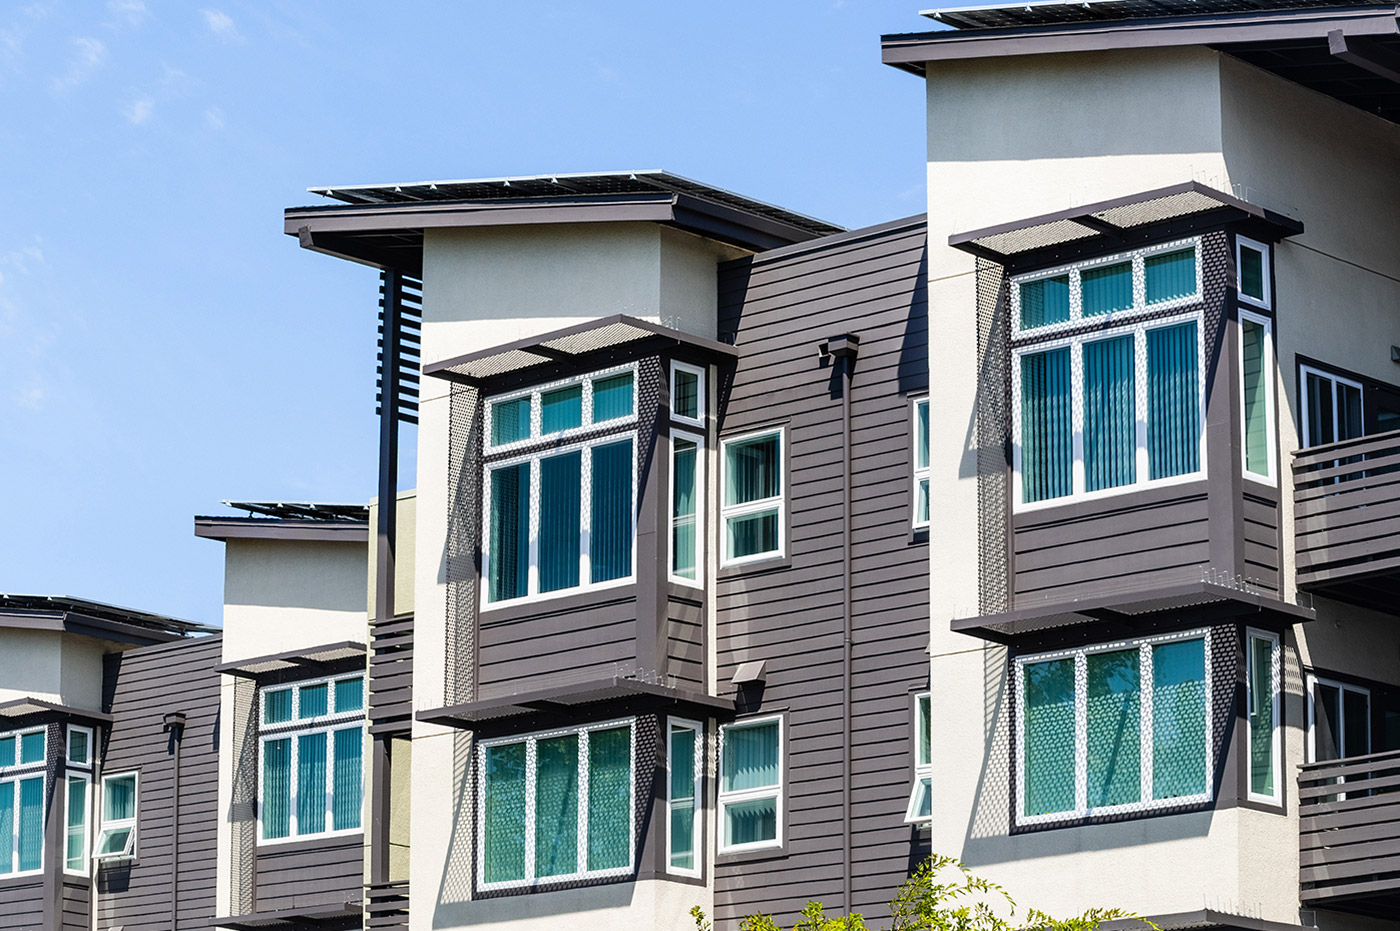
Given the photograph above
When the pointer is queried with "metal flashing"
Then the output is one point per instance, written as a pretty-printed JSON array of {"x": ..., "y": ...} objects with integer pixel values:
[
  {"x": 309, "y": 658},
  {"x": 27, "y": 706},
  {"x": 470, "y": 714},
  {"x": 95, "y": 619},
  {"x": 265, "y": 528},
  {"x": 334, "y": 916}
]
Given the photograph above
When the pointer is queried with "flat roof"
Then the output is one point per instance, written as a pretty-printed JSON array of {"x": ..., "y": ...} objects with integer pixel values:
[
  {"x": 94, "y": 618},
  {"x": 302, "y": 510},
  {"x": 1053, "y": 12},
  {"x": 312, "y": 521}
]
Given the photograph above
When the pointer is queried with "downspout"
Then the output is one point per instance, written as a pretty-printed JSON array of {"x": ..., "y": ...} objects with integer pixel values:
[{"x": 175, "y": 726}]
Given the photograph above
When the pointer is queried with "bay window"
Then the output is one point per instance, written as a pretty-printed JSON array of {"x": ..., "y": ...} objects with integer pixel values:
[
  {"x": 752, "y": 509},
  {"x": 117, "y": 839},
  {"x": 750, "y": 784},
  {"x": 22, "y": 774},
  {"x": 311, "y": 779},
  {"x": 76, "y": 799},
  {"x": 556, "y": 806},
  {"x": 684, "y": 766},
  {"x": 687, "y": 490}
]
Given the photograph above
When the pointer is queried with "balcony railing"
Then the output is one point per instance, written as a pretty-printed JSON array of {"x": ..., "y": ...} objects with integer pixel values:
[
  {"x": 1349, "y": 834},
  {"x": 391, "y": 675},
  {"x": 1346, "y": 519},
  {"x": 386, "y": 905}
]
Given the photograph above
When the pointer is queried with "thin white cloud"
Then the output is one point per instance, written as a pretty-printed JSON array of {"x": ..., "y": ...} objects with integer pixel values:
[
  {"x": 214, "y": 118},
  {"x": 130, "y": 12},
  {"x": 88, "y": 56},
  {"x": 139, "y": 110},
  {"x": 31, "y": 396},
  {"x": 221, "y": 25}
]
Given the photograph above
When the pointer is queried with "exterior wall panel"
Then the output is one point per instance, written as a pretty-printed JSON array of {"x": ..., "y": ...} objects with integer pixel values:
[{"x": 310, "y": 874}]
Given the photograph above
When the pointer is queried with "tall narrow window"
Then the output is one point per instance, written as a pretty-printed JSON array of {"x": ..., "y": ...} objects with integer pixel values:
[
  {"x": 1110, "y": 414},
  {"x": 687, "y": 481},
  {"x": 23, "y": 756},
  {"x": 1253, "y": 275},
  {"x": 1173, "y": 401},
  {"x": 921, "y": 466},
  {"x": 117, "y": 839},
  {"x": 77, "y": 799},
  {"x": 1262, "y": 674},
  {"x": 1047, "y": 425},
  {"x": 753, "y": 497},
  {"x": 683, "y": 762},
  {"x": 920, "y": 807},
  {"x": 1332, "y": 407},
  {"x": 687, "y": 393},
  {"x": 311, "y": 780},
  {"x": 1339, "y": 720},
  {"x": 750, "y": 784},
  {"x": 1256, "y": 395}
]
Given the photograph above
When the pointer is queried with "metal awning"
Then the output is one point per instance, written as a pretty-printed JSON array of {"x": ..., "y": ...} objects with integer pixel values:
[
  {"x": 470, "y": 715},
  {"x": 308, "y": 659},
  {"x": 338, "y": 915},
  {"x": 1204, "y": 600},
  {"x": 1121, "y": 222},
  {"x": 573, "y": 348},
  {"x": 28, "y": 706}
]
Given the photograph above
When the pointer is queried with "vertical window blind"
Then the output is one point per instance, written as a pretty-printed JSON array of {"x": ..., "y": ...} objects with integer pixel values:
[
  {"x": 750, "y": 788},
  {"x": 312, "y": 767},
  {"x": 753, "y": 492},
  {"x": 683, "y": 763}
]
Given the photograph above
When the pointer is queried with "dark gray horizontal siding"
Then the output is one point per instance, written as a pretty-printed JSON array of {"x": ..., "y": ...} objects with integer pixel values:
[
  {"x": 142, "y": 686},
  {"x": 1261, "y": 542},
  {"x": 791, "y": 614},
  {"x": 74, "y": 905},
  {"x": 312, "y": 873},
  {"x": 1136, "y": 540},
  {"x": 685, "y": 643},
  {"x": 510, "y": 651},
  {"x": 22, "y": 904}
]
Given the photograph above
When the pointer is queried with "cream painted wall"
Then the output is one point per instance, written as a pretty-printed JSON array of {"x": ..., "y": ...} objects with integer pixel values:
[
  {"x": 403, "y": 552},
  {"x": 53, "y": 666}
]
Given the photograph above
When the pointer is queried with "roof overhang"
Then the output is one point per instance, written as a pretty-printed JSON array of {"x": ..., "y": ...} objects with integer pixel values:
[
  {"x": 478, "y": 714},
  {"x": 1121, "y": 223},
  {"x": 307, "y": 660},
  {"x": 93, "y": 619},
  {"x": 340, "y": 915},
  {"x": 1187, "y": 603},
  {"x": 28, "y": 707},
  {"x": 576, "y": 348},
  {"x": 1203, "y": 918},
  {"x": 266, "y": 528}
]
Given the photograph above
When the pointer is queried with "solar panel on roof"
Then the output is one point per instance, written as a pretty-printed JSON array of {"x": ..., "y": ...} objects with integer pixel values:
[{"x": 1055, "y": 12}]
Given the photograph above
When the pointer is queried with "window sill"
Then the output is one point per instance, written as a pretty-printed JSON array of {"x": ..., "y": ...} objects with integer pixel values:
[
  {"x": 771, "y": 564},
  {"x": 559, "y": 604},
  {"x": 29, "y": 876},
  {"x": 319, "y": 842},
  {"x": 751, "y": 856}
]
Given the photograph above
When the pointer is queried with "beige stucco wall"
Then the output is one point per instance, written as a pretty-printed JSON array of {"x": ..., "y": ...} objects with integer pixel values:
[
  {"x": 53, "y": 666},
  {"x": 403, "y": 552}
]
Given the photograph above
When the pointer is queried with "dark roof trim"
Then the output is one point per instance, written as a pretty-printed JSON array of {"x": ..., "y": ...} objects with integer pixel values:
[
  {"x": 331, "y": 915},
  {"x": 911, "y": 52},
  {"x": 308, "y": 658},
  {"x": 24, "y": 707},
  {"x": 267, "y": 528},
  {"x": 839, "y": 239},
  {"x": 471, "y": 714},
  {"x": 303, "y": 510},
  {"x": 93, "y": 619},
  {"x": 1205, "y": 918}
]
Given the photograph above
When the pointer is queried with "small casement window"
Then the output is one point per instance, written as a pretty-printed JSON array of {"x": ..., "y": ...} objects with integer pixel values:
[
  {"x": 750, "y": 784},
  {"x": 311, "y": 778},
  {"x": 921, "y": 466},
  {"x": 1339, "y": 720},
  {"x": 687, "y": 393},
  {"x": 78, "y": 799},
  {"x": 1262, "y": 667},
  {"x": 920, "y": 808},
  {"x": 1257, "y": 395},
  {"x": 1253, "y": 280},
  {"x": 1333, "y": 407},
  {"x": 561, "y": 408},
  {"x": 22, "y": 774},
  {"x": 556, "y": 806},
  {"x": 753, "y": 505},
  {"x": 687, "y": 492},
  {"x": 1113, "y": 729},
  {"x": 684, "y": 761},
  {"x": 117, "y": 838}
]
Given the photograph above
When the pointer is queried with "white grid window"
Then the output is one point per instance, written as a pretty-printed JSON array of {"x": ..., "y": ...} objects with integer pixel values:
[
  {"x": 1262, "y": 676},
  {"x": 117, "y": 839},
  {"x": 23, "y": 756},
  {"x": 751, "y": 784},
  {"x": 920, "y": 807},
  {"x": 753, "y": 505},
  {"x": 921, "y": 464},
  {"x": 1253, "y": 276},
  {"x": 556, "y": 806},
  {"x": 688, "y": 393},
  {"x": 561, "y": 408},
  {"x": 77, "y": 799},
  {"x": 685, "y": 768}
]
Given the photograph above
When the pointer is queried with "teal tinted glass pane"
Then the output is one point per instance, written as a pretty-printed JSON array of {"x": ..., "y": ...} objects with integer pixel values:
[
  {"x": 314, "y": 700},
  {"x": 76, "y": 836},
  {"x": 503, "y": 831},
  {"x": 31, "y": 748},
  {"x": 1251, "y": 272},
  {"x": 8, "y": 751},
  {"x": 1173, "y": 401},
  {"x": 349, "y": 694},
  {"x": 1179, "y": 719},
  {"x": 925, "y": 743},
  {"x": 561, "y": 479},
  {"x": 119, "y": 798},
  {"x": 1044, "y": 302},
  {"x": 347, "y": 779},
  {"x": 750, "y": 754},
  {"x": 923, "y": 798},
  {"x": 752, "y": 534},
  {"x": 683, "y": 835},
  {"x": 683, "y": 525},
  {"x": 31, "y": 824},
  {"x": 751, "y": 822},
  {"x": 609, "y": 798},
  {"x": 1170, "y": 275},
  {"x": 1107, "y": 288},
  {"x": 8, "y": 792},
  {"x": 276, "y": 789},
  {"x": 556, "y": 806},
  {"x": 561, "y": 409},
  {"x": 277, "y": 706},
  {"x": 921, "y": 506},
  {"x": 682, "y": 760},
  {"x": 113, "y": 842},
  {"x": 1110, "y": 414},
  {"x": 311, "y": 783},
  {"x": 610, "y": 538},
  {"x": 509, "y": 533},
  {"x": 1114, "y": 744},
  {"x": 78, "y": 747},
  {"x": 1047, "y": 428},
  {"x": 921, "y": 435},
  {"x": 751, "y": 469},
  {"x": 1261, "y": 716},
  {"x": 612, "y": 397},
  {"x": 510, "y": 421},
  {"x": 685, "y": 400},
  {"x": 1049, "y": 736},
  {"x": 1256, "y": 415}
]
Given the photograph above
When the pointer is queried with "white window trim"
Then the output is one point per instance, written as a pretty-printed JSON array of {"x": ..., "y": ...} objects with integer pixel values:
[
  {"x": 530, "y": 740},
  {"x": 699, "y": 373},
  {"x": 87, "y": 821},
  {"x": 1269, "y": 377},
  {"x": 1146, "y": 802},
  {"x": 10, "y": 778},
  {"x": 129, "y": 852},
  {"x": 699, "y": 580},
  {"x": 1142, "y": 465},
  {"x": 921, "y": 473},
  {"x": 585, "y": 523},
  {"x": 19, "y": 736},
  {"x": 1303, "y": 372},
  {"x": 68, "y": 746},
  {"x": 1313, "y": 682},
  {"x": 778, "y": 501},
  {"x": 1266, "y": 269},
  {"x": 776, "y": 791},
  {"x": 698, "y": 799},
  {"x": 922, "y": 770},
  {"x": 297, "y": 722},
  {"x": 1275, "y": 743},
  {"x": 1076, "y": 298},
  {"x": 536, "y": 415}
]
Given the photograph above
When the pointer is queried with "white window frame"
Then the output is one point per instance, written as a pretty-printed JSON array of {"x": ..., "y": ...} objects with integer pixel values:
[
  {"x": 779, "y": 501},
  {"x": 1142, "y": 465},
  {"x": 922, "y": 769},
  {"x": 68, "y": 746},
  {"x": 1140, "y": 306},
  {"x": 1275, "y": 743},
  {"x": 1304, "y": 370},
  {"x": 776, "y": 791},
  {"x": 1145, "y": 802},
  {"x": 697, "y": 796},
  {"x": 699, "y": 373},
  {"x": 532, "y": 584},
  {"x": 81, "y": 771},
  {"x": 530, "y": 741},
  {"x": 921, "y": 473},
  {"x": 699, "y": 580},
  {"x": 587, "y": 423},
  {"x": 1266, "y": 269},
  {"x": 1269, "y": 410},
  {"x": 10, "y": 779},
  {"x": 1316, "y": 680},
  {"x": 129, "y": 851},
  {"x": 298, "y": 727}
]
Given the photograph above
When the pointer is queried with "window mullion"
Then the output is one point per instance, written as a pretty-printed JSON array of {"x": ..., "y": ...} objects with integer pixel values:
[
  {"x": 293, "y": 790},
  {"x": 531, "y": 781},
  {"x": 532, "y": 582},
  {"x": 1081, "y": 732},
  {"x": 581, "y": 819},
  {"x": 1147, "y": 717}
]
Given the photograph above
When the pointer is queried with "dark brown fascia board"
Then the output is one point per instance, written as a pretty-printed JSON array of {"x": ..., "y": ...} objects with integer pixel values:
[
  {"x": 23, "y": 707},
  {"x": 469, "y": 714},
  {"x": 288, "y": 917},
  {"x": 264, "y": 528},
  {"x": 1365, "y": 54},
  {"x": 1205, "y": 918},
  {"x": 910, "y": 52},
  {"x": 73, "y": 622},
  {"x": 302, "y": 657}
]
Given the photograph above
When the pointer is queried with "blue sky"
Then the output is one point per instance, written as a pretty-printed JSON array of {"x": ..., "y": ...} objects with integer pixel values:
[{"x": 163, "y": 346}]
